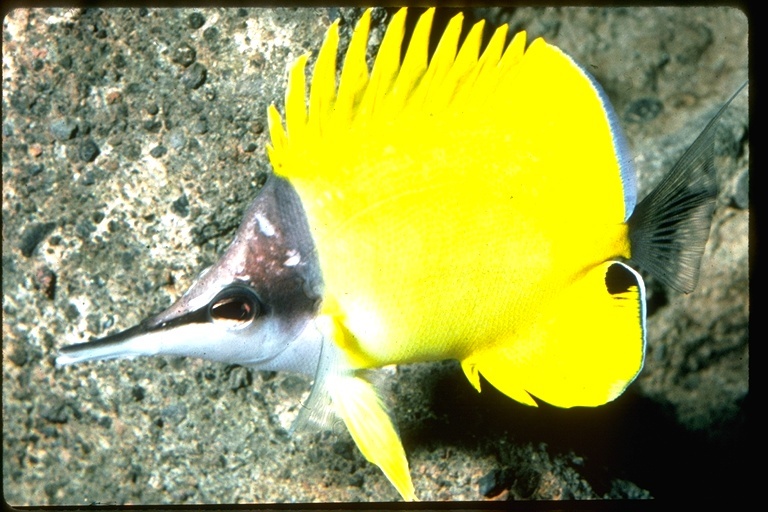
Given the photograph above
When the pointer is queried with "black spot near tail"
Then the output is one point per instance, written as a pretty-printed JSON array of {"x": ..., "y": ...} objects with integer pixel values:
[{"x": 619, "y": 279}]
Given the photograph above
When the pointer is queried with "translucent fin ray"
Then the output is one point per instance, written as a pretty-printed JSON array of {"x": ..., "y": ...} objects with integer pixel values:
[
  {"x": 670, "y": 227},
  {"x": 318, "y": 411}
]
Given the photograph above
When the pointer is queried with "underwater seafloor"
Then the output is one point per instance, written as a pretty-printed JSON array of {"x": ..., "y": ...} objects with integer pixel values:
[{"x": 131, "y": 143}]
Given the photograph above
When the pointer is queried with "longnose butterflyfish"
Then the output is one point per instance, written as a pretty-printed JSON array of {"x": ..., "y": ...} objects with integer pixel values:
[{"x": 415, "y": 213}]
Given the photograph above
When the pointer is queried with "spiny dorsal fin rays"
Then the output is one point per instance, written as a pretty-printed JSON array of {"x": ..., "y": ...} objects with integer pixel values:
[
  {"x": 465, "y": 60},
  {"x": 509, "y": 62},
  {"x": 484, "y": 78},
  {"x": 386, "y": 66},
  {"x": 453, "y": 77},
  {"x": 513, "y": 55},
  {"x": 295, "y": 101},
  {"x": 492, "y": 55},
  {"x": 441, "y": 62},
  {"x": 322, "y": 93},
  {"x": 354, "y": 73},
  {"x": 413, "y": 67}
]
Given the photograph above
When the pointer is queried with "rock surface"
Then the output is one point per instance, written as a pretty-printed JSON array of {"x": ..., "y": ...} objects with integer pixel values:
[{"x": 132, "y": 139}]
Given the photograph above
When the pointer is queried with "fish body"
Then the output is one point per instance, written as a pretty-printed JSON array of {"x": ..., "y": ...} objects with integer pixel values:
[{"x": 472, "y": 205}]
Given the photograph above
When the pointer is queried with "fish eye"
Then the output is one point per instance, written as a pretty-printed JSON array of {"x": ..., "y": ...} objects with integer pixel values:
[{"x": 235, "y": 304}]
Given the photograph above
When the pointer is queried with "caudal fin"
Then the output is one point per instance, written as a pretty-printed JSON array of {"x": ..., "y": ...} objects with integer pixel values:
[{"x": 669, "y": 228}]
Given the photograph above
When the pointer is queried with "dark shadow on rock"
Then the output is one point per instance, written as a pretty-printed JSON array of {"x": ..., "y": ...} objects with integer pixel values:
[{"x": 631, "y": 438}]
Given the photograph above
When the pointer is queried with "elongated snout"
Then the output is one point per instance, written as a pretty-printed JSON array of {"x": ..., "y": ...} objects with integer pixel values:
[
  {"x": 210, "y": 332},
  {"x": 255, "y": 306},
  {"x": 122, "y": 345},
  {"x": 234, "y": 328}
]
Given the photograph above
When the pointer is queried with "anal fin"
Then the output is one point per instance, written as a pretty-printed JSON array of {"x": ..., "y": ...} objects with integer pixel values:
[
  {"x": 584, "y": 349},
  {"x": 357, "y": 402}
]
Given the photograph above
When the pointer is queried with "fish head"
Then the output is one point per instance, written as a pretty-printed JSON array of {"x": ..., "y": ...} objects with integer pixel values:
[{"x": 253, "y": 307}]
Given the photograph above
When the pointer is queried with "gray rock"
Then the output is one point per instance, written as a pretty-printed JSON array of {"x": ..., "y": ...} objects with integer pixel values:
[{"x": 63, "y": 129}]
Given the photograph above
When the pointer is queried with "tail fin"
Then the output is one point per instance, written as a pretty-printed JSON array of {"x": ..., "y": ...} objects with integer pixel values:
[{"x": 669, "y": 228}]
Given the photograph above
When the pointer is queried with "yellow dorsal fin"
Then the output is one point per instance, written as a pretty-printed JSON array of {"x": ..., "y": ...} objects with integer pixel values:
[
  {"x": 354, "y": 74},
  {"x": 322, "y": 93},
  {"x": 441, "y": 62},
  {"x": 416, "y": 86},
  {"x": 386, "y": 66},
  {"x": 414, "y": 65},
  {"x": 461, "y": 68},
  {"x": 482, "y": 82},
  {"x": 509, "y": 98}
]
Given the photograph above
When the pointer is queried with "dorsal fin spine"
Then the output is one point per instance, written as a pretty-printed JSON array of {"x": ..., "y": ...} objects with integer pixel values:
[
  {"x": 441, "y": 62},
  {"x": 485, "y": 74},
  {"x": 413, "y": 67},
  {"x": 295, "y": 101},
  {"x": 465, "y": 60},
  {"x": 385, "y": 67},
  {"x": 322, "y": 92},
  {"x": 354, "y": 73}
]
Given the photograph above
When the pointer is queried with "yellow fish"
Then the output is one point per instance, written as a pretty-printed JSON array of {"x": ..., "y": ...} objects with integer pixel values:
[{"x": 415, "y": 213}]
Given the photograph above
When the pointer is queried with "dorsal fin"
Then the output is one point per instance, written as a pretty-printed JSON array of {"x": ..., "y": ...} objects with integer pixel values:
[
  {"x": 417, "y": 85},
  {"x": 507, "y": 110}
]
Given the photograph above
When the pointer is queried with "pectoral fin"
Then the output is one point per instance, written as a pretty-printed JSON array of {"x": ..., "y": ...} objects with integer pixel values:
[
  {"x": 318, "y": 412},
  {"x": 584, "y": 349}
]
